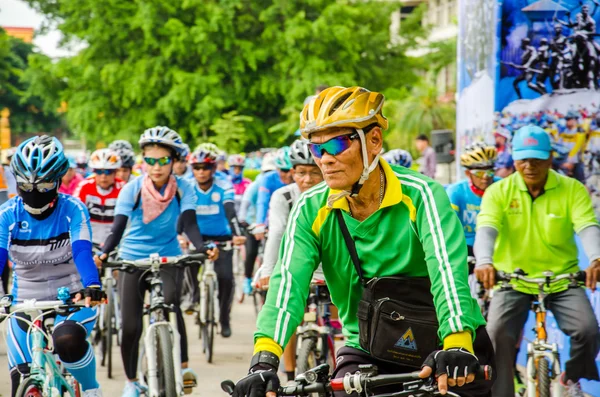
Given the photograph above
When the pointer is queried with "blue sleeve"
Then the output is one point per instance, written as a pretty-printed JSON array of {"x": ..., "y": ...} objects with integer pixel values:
[
  {"x": 454, "y": 196},
  {"x": 6, "y": 221},
  {"x": 228, "y": 195},
  {"x": 79, "y": 224},
  {"x": 264, "y": 197},
  {"x": 126, "y": 199},
  {"x": 188, "y": 195},
  {"x": 84, "y": 261}
]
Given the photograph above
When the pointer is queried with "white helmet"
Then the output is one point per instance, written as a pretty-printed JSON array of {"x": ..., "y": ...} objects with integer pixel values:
[
  {"x": 268, "y": 162},
  {"x": 236, "y": 160},
  {"x": 300, "y": 154},
  {"x": 105, "y": 159},
  {"x": 163, "y": 136}
]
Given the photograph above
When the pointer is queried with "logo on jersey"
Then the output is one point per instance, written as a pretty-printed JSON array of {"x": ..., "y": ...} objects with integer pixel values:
[
  {"x": 514, "y": 207},
  {"x": 212, "y": 209},
  {"x": 407, "y": 341},
  {"x": 24, "y": 227},
  {"x": 215, "y": 197}
]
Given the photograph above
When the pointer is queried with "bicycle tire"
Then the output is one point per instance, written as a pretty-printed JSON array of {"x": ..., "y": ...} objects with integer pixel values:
[
  {"x": 543, "y": 378},
  {"x": 164, "y": 362},
  {"x": 259, "y": 300},
  {"x": 109, "y": 314},
  {"x": 308, "y": 356},
  {"x": 208, "y": 334},
  {"x": 30, "y": 388}
]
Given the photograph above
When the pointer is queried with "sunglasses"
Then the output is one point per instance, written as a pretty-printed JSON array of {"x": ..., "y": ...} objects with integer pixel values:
[
  {"x": 42, "y": 187},
  {"x": 104, "y": 172},
  {"x": 202, "y": 167},
  {"x": 162, "y": 161},
  {"x": 334, "y": 146},
  {"x": 482, "y": 173}
]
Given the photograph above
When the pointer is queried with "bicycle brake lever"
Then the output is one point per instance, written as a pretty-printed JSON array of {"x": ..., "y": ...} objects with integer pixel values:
[{"x": 228, "y": 386}]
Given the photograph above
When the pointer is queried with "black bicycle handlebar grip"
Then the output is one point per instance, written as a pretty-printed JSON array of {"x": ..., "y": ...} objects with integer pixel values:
[
  {"x": 501, "y": 276},
  {"x": 485, "y": 372},
  {"x": 580, "y": 276},
  {"x": 227, "y": 386}
]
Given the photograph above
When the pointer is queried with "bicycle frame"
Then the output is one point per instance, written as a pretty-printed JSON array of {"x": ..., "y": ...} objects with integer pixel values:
[
  {"x": 208, "y": 276},
  {"x": 153, "y": 319}
]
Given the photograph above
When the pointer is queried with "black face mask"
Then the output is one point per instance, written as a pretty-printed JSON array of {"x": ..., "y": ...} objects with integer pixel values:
[{"x": 39, "y": 205}]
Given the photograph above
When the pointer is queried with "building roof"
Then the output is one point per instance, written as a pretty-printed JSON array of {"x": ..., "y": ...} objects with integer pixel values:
[{"x": 25, "y": 34}]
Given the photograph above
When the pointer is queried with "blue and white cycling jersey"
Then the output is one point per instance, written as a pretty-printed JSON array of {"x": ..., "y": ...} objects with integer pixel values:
[
  {"x": 467, "y": 205},
  {"x": 47, "y": 254},
  {"x": 268, "y": 184},
  {"x": 160, "y": 235},
  {"x": 210, "y": 209}
]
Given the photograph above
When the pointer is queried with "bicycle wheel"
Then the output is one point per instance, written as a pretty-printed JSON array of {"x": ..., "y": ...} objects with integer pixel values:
[
  {"x": 543, "y": 378},
  {"x": 239, "y": 276},
  {"x": 164, "y": 362},
  {"x": 108, "y": 320},
  {"x": 30, "y": 388},
  {"x": 308, "y": 357},
  {"x": 208, "y": 329}
]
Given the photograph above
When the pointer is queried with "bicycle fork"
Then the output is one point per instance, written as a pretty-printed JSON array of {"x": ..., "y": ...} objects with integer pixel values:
[{"x": 151, "y": 357}]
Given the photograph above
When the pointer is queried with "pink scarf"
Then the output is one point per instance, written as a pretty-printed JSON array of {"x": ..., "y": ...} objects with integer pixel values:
[{"x": 153, "y": 203}]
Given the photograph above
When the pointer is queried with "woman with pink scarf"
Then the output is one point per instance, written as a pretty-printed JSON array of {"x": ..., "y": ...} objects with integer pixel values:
[{"x": 151, "y": 205}]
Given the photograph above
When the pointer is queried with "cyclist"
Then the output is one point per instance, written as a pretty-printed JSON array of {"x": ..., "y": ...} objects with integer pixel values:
[
  {"x": 71, "y": 179},
  {"x": 398, "y": 157},
  {"x": 151, "y": 204},
  {"x": 384, "y": 207},
  {"x": 505, "y": 165},
  {"x": 240, "y": 184},
  {"x": 465, "y": 196},
  {"x": 306, "y": 174},
  {"x": 527, "y": 221},
  {"x": 215, "y": 213},
  {"x": 222, "y": 162},
  {"x": 572, "y": 136},
  {"x": 219, "y": 173},
  {"x": 248, "y": 218},
  {"x": 99, "y": 192},
  {"x": 47, "y": 236},
  {"x": 127, "y": 156},
  {"x": 180, "y": 167},
  {"x": 269, "y": 183},
  {"x": 82, "y": 165}
]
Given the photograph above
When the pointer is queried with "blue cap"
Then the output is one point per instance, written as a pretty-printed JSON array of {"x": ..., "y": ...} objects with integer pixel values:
[{"x": 531, "y": 142}]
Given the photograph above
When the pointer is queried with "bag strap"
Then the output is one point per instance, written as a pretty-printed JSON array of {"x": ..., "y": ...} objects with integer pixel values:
[{"x": 350, "y": 245}]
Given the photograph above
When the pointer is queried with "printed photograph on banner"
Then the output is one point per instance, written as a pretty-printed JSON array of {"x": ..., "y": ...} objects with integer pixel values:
[
  {"x": 476, "y": 71},
  {"x": 549, "y": 75}
]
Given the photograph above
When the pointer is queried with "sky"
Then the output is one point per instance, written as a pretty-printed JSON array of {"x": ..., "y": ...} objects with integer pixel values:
[{"x": 17, "y": 13}]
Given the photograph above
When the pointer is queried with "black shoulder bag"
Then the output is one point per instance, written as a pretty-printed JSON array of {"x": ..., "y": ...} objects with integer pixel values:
[{"x": 396, "y": 316}]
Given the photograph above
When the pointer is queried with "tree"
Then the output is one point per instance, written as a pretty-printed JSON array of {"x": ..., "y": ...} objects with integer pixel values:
[
  {"x": 28, "y": 113},
  {"x": 190, "y": 63}
]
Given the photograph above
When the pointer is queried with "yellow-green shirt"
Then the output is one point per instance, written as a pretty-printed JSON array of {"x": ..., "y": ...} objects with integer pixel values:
[{"x": 537, "y": 235}]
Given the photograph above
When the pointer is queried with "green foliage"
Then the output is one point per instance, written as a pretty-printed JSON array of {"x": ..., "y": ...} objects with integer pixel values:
[
  {"x": 235, "y": 72},
  {"x": 419, "y": 113},
  {"x": 251, "y": 174},
  {"x": 28, "y": 113}
]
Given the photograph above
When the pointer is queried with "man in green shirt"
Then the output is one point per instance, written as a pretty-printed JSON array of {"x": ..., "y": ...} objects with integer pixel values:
[
  {"x": 528, "y": 221},
  {"x": 401, "y": 223}
]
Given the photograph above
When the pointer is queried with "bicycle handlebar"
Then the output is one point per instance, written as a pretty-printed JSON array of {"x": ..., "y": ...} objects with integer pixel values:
[
  {"x": 149, "y": 262},
  {"x": 7, "y": 301},
  {"x": 363, "y": 380},
  {"x": 578, "y": 277}
]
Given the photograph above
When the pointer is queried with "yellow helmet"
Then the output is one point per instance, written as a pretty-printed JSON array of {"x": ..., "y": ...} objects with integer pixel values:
[
  {"x": 353, "y": 107},
  {"x": 479, "y": 155}
]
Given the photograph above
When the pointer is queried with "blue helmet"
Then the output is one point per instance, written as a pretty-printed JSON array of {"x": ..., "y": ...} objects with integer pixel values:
[
  {"x": 282, "y": 159},
  {"x": 398, "y": 157},
  {"x": 39, "y": 159}
]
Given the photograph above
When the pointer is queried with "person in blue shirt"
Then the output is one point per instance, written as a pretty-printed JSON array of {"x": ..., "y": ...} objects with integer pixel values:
[
  {"x": 216, "y": 217},
  {"x": 465, "y": 196},
  {"x": 270, "y": 182},
  {"x": 47, "y": 236},
  {"x": 151, "y": 205}
]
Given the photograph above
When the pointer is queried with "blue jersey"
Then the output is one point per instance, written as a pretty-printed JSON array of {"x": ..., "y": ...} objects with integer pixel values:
[
  {"x": 210, "y": 209},
  {"x": 160, "y": 235},
  {"x": 467, "y": 205},
  {"x": 268, "y": 184},
  {"x": 47, "y": 254}
]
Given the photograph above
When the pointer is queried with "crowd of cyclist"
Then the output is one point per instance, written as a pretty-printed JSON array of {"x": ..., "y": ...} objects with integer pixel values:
[{"x": 182, "y": 200}]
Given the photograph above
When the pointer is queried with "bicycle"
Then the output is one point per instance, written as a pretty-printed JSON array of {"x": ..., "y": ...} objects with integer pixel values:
[
  {"x": 161, "y": 350},
  {"x": 315, "y": 335},
  {"x": 318, "y": 381},
  {"x": 238, "y": 272},
  {"x": 478, "y": 292},
  {"x": 543, "y": 361},
  {"x": 47, "y": 376},
  {"x": 109, "y": 319}
]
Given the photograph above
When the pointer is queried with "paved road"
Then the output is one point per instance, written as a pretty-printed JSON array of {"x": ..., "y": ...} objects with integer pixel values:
[{"x": 231, "y": 357}]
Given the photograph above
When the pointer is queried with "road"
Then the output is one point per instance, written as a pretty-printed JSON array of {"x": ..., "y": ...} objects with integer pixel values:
[{"x": 231, "y": 358}]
